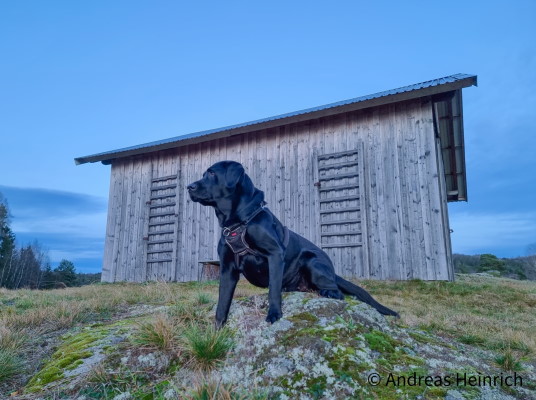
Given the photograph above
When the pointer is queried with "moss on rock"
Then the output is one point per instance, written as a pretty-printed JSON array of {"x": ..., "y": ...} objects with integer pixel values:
[
  {"x": 79, "y": 351},
  {"x": 324, "y": 349}
]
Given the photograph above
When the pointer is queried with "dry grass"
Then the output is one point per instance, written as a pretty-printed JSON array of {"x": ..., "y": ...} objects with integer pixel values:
[
  {"x": 494, "y": 313},
  {"x": 210, "y": 389},
  {"x": 62, "y": 308},
  {"x": 497, "y": 313},
  {"x": 187, "y": 313},
  {"x": 160, "y": 333},
  {"x": 12, "y": 339}
]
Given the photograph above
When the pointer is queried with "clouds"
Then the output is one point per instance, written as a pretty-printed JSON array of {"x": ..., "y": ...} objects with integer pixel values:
[
  {"x": 69, "y": 225},
  {"x": 504, "y": 234},
  {"x": 88, "y": 225}
]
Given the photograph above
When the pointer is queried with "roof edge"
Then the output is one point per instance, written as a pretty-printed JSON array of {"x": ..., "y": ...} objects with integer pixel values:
[{"x": 428, "y": 88}]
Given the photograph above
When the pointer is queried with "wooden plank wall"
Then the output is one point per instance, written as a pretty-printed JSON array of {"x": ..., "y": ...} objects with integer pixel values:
[{"x": 403, "y": 206}]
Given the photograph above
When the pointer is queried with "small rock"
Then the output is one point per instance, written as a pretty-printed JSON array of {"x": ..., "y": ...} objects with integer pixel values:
[
  {"x": 170, "y": 394},
  {"x": 147, "y": 360},
  {"x": 123, "y": 396},
  {"x": 155, "y": 361},
  {"x": 454, "y": 395}
]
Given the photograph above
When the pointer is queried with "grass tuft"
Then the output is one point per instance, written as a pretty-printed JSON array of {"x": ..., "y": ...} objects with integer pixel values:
[
  {"x": 10, "y": 365},
  {"x": 205, "y": 346},
  {"x": 472, "y": 339},
  {"x": 159, "y": 333},
  {"x": 12, "y": 339},
  {"x": 509, "y": 361},
  {"x": 210, "y": 389},
  {"x": 204, "y": 299}
]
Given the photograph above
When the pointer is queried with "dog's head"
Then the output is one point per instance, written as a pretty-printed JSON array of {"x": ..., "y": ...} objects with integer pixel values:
[{"x": 221, "y": 181}]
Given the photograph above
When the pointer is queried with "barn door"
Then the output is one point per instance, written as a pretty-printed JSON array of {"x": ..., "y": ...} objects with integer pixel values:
[
  {"x": 162, "y": 230},
  {"x": 340, "y": 184}
]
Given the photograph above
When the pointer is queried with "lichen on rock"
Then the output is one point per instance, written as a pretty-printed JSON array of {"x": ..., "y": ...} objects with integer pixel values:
[{"x": 325, "y": 348}]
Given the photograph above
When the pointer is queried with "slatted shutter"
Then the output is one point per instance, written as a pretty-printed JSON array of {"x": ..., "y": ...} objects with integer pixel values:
[
  {"x": 341, "y": 210},
  {"x": 162, "y": 229}
]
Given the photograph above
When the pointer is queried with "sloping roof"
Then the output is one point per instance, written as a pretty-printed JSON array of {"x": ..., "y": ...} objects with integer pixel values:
[{"x": 428, "y": 88}]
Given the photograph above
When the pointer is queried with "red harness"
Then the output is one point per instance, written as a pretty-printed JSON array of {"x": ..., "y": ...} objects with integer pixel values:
[{"x": 235, "y": 237}]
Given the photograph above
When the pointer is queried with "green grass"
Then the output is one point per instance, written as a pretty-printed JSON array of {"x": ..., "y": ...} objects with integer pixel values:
[
  {"x": 205, "y": 346},
  {"x": 203, "y": 298},
  {"x": 10, "y": 365},
  {"x": 380, "y": 341},
  {"x": 509, "y": 361}
]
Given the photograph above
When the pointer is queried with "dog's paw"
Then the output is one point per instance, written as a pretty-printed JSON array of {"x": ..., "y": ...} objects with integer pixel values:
[
  {"x": 332, "y": 294},
  {"x": 273, "y": 316}
]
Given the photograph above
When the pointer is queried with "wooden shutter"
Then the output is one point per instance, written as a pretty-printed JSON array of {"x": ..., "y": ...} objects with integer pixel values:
[
  {"x": 162, "y": 229},
  {"x": 341, "y": 210}
]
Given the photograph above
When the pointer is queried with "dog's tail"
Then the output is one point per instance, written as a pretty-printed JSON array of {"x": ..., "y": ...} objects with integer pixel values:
[{"x": 362, "y": 295}]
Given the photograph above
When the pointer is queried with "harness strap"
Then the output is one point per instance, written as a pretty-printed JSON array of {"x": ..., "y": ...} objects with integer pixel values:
[{"x": 235, "y": 237}]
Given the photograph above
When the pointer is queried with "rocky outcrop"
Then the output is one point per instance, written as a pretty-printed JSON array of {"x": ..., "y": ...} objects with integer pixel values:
[
  {"x": 331, "y": 349},
  {"x": 321, "y": 349}
]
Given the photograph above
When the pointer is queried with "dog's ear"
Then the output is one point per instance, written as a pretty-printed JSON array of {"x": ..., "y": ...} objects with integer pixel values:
[{"x": 235, "y": 172}]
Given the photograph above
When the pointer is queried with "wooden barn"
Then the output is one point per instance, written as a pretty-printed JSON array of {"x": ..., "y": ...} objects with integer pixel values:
[{"x": 367, "y": 179}]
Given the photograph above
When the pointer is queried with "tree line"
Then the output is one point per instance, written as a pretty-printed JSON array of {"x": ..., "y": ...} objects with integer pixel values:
[
  {"x": 28, "y": 266},
  {"x": 515, "y": 268}
]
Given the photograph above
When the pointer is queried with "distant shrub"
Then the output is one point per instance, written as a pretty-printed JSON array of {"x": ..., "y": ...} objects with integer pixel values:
[{"x": 490, "y": 262}]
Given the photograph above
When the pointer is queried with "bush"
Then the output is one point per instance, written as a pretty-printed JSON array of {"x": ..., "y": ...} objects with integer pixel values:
[{"x": 489, "y": 262}]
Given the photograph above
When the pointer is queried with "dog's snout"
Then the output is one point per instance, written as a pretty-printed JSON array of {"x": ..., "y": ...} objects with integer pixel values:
[{"x": 191, "y": 187}]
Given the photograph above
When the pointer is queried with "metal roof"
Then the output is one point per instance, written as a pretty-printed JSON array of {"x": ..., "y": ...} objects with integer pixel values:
[{"x": 435, "y": 86}]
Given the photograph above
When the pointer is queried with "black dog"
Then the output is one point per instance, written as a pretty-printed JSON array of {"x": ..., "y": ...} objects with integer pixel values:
[{"x": 256, "y": 244}]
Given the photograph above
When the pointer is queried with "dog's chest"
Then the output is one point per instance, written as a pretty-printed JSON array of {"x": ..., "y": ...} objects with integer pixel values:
[{"x": 255, "y": 270}]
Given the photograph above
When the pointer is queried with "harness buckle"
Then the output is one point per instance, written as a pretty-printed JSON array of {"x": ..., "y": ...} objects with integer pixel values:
[{"x": 226, "y": 232}]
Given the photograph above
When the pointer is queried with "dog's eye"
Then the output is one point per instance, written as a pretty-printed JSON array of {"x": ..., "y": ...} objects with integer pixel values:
[{"x": 211, "y": 173}]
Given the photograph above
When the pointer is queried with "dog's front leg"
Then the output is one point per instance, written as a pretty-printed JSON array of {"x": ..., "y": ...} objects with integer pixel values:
[
  {"x": 228, "y": 279},
  {"x": 275, "y": 267}
]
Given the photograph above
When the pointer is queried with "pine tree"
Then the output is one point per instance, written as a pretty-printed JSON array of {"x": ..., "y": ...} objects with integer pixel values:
[
  {"x": 7, "y": 245},
  {"x": 66, "y": 273}
]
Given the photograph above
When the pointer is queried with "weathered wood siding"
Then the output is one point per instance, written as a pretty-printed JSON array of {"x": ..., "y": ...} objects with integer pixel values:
[{"x": 401, "y": 197}]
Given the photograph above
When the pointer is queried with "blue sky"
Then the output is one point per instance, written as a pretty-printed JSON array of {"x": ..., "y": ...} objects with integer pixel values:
[{"x": 78, "y": 78}]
